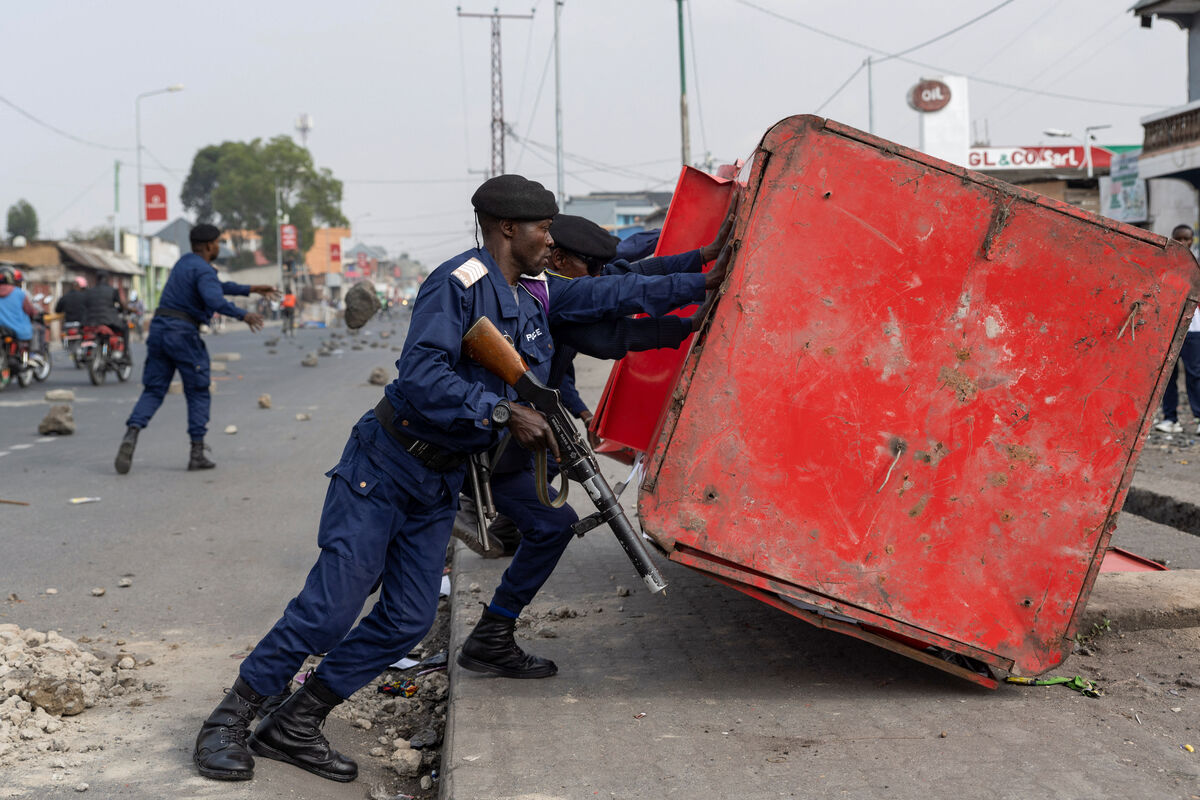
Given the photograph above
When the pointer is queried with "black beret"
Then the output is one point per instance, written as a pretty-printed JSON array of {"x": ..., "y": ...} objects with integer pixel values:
[
  {"x": 514, "y": 197},
  {"x": 583, "y": 237},
  {"x": 204, "y": 233}
]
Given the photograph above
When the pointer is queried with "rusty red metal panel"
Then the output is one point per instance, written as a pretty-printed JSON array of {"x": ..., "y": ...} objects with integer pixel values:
[
  {"x": 640, "y": 384},
  {"x": 920, "y": 400}
]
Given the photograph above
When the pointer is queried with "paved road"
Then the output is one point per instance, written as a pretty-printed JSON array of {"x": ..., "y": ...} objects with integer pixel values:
[
  {"x": 740, "y": 700},
  {"x": 214, "y": 555}
]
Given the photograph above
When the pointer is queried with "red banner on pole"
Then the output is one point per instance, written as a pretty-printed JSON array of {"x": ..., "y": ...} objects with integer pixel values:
[
  {"x": 335, "y": 253},
  {"x": 287, "y": 237},
  {"x": 364, "y": 266},
  {"x": 156, "y": 202}
]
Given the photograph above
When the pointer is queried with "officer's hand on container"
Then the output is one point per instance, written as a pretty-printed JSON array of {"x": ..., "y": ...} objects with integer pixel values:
[
  {"x": 531, "y": 430},
  {"x": 713, "y": 248},
  {"x": 255, "y": 321},
  {"x": 586, "y": 417},
  {"x": 716, "y": 276},
  {"x": 697, "y": 319}
]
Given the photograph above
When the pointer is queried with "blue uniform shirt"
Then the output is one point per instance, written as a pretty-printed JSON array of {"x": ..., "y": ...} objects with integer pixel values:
[
  {"x": 443, "y": 397},
  {"x": 613, "y": 337},
  {"x": 194, "y": 289}
]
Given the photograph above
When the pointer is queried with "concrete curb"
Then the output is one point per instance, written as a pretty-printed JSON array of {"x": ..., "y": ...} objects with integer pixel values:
[
  {"x": 1134, "y": 601},
  {"x": 1159, "y": 501}
]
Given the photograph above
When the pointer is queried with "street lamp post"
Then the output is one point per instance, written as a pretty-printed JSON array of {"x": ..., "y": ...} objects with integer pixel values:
[
  {"x": 1088, "y": 138},
  {"x": 141, "y": 206}
]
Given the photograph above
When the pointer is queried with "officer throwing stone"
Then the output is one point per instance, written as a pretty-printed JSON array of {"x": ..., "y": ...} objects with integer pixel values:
[
  {"x": 189, "y": 299},
  {"x": 393, "y": 495}
]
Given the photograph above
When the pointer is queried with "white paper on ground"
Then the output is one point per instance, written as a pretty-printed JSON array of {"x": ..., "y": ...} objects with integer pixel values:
[{"x": 405, "y": 663}]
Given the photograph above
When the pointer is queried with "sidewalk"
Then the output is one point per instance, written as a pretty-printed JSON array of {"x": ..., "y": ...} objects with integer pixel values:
[{"x": 706, "y": 693}]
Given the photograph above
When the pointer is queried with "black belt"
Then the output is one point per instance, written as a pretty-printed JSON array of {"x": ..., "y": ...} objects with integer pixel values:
[
  {"x": 436, "y": 458},
  {"x": 170, "y": 312}
]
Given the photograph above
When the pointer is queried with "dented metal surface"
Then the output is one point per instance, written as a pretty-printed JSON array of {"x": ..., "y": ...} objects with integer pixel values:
[{"x": 920, "y": 400}]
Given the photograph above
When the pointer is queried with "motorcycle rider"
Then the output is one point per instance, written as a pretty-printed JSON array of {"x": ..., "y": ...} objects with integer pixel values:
[
  {"x": 70, "y": 305},
  {"x": 16, "y": 309},
  {"x": 103, "y": 306}
]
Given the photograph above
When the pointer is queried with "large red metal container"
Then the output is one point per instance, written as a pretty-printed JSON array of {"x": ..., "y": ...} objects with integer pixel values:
[
  {"x": 640, "y": 384},
  {"x": 914, "y": 414}
]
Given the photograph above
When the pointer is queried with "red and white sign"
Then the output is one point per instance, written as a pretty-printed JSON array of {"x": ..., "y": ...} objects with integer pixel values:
[
  {"x": 335, "y": 253},
  {"x": 156, "y": 202},
  {"x": 929, "y": 96},
  {"x": 287, "y": 237},
  {"x": 1072, "y": 158},
  {"x": 364, "y": 265}
]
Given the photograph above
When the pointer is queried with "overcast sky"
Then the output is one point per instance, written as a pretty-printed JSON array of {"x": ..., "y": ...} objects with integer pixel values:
[{"x": 400, "y": 91}]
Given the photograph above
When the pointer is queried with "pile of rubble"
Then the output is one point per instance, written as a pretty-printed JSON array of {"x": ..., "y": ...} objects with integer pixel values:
[{"x": 45, "y": 680}]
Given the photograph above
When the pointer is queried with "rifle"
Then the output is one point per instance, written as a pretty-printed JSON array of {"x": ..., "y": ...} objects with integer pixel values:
[{"x": 486, "y": 345}]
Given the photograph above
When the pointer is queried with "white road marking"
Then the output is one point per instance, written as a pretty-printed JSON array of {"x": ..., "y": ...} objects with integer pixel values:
[
  {"x": 48, "y": 439},
  {"x": 19, "y": 446}
]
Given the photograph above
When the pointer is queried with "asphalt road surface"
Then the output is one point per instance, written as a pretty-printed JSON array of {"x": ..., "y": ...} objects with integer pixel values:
[
  {"x": 213, "y": 556},
  {"x": 745, "y": 701}
]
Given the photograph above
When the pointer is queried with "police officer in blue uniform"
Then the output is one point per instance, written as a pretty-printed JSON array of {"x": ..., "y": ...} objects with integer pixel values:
[
  {"x": 582, "y": 249},
  {"x": 393, "y": 494},
  {"x": 189, "y": 299}
]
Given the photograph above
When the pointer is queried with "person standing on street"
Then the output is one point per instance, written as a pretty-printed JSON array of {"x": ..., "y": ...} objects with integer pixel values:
[
  {"x": 392, "y": 496},
  {"x": 189, "y": 299},
  {"x": 288, "y": 309},
  {"x": 1189, "y": 357}
]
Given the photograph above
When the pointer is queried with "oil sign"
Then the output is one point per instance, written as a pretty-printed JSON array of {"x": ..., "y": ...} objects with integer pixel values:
[{"x": 929, "y": 96}]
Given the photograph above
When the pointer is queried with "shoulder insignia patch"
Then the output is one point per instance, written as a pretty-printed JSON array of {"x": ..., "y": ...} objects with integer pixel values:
[{"x": 470, "y": 271}]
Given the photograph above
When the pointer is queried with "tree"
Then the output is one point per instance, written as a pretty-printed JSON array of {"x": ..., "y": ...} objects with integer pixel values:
[
  {"x": 233, "y": 184},
  {"x": 99, "y": 236},
  {"x": 22, "y": 220}
]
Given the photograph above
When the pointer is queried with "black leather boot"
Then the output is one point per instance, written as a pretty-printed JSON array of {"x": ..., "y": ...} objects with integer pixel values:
[
  {"x": 273, "y": 702},
  {"x": 125, "y": 451},
  {"x": 221, "y": 751},
  {"x": 197, "y": 460},
  {"x": 491, "y": 648},
  {"x": 292, "y": 734}
]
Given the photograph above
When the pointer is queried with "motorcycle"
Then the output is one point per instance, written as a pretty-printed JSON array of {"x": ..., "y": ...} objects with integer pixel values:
[
  {"x": 72, "y": 342},
  {"x": 39, "y": 353},
  {"x": 106, "y": 353},
  {"x": 19, "y": 361}
]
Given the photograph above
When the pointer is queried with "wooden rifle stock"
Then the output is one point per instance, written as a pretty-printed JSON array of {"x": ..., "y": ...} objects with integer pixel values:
[{"x": 485, "y": 344}]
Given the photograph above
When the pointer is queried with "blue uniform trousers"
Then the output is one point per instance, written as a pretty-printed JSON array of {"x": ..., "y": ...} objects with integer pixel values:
[
  {"x": 545, "y": 534},
  {"x": 385, "y": 515},
  {"x": 1189, "y": 356},
  {"x": 174, "y": 344}
]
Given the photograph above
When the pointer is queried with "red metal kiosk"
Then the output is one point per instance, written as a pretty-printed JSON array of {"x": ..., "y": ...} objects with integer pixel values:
[{"x": 914, "y": 414}]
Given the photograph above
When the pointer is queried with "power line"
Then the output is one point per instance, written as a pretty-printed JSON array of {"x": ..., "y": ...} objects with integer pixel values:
[
  {"x": 59, "y": 131},
  {"x": 1004, "y": 49},
  {"x": 988, "y": 81},
  {"x": 156, "y": 160},
  {"x": 939, "y": 37},
  {"x": 838, "y": 91},
  {"x": 77, "y": 198},
  {"x": 1085, "y": 41},
  {"x": 537, "y": 99}
]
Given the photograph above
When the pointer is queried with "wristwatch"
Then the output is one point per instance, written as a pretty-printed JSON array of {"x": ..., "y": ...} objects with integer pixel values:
[{"x": 501, "y": 413}]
